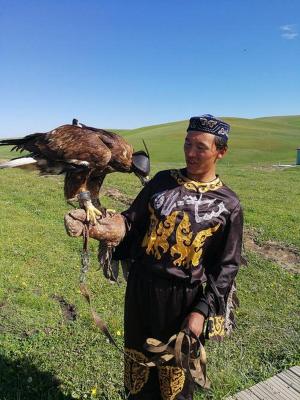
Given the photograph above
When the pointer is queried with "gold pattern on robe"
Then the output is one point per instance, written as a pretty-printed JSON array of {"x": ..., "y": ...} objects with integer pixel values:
[
  {"x": 135, "y": 374},
  {"x": 156, "y": 239},
  {"x": 200, "y": 187},
  {"x": 183, "y": 241},
  {"x": 189, "y": 253},
  {"x": 151, "y": 235},
  {"x": 189, "y": 250},
  {"x": 171, "y": 381},
  {"x": 216, "y": 327},
  {"x": 196, "y": 248}
]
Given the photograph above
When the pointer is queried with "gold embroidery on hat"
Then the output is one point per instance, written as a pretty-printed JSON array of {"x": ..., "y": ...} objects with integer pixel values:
[
  {"x": 171, "y": 381},
  {"x": 203, "y": 121},
  {"x": 135, "y": 374},
  {"x": 200, "y": 187},
  {"x": 212, "y": 123}
]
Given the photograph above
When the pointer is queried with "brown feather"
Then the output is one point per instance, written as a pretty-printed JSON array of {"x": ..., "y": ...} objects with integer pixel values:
[
  {"x": 72, "y": 142},
  {"x": 85, "y": 154}
]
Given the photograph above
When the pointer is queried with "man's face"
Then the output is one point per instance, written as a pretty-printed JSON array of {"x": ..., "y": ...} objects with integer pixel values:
[{"x": 201, "y": 153}]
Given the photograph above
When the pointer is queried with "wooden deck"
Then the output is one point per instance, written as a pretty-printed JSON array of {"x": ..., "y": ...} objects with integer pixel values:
[{"x": 283, "y": 386}]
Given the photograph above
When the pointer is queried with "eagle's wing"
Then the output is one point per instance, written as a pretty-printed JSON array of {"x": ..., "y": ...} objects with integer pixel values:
[
  {"x": 79, "y": 152},
  {"x": 78, "y": 146},
  {"x": 89, "y": 157},
  {"x": 85, "y": 154},
  {"x": 121, "y": 150},
  {"x": 66, "y": 144},
  {"x": 84, "y": 150}
]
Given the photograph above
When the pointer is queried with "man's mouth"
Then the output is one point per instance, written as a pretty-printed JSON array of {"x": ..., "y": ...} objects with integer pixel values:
[{"x": 191, "y": 162}]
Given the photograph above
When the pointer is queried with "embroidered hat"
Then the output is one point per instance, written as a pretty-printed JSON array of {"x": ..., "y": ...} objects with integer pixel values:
[{"x": 209, "y": 123}]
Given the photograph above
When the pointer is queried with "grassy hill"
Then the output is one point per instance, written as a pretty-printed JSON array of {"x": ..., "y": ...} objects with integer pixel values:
[
  {"x": 252, "y": 141},
  {"x": 45, "y": 356}
]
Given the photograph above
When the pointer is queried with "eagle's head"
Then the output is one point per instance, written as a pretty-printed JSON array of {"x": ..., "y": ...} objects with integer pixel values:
[{"x": 141, "y": 166}]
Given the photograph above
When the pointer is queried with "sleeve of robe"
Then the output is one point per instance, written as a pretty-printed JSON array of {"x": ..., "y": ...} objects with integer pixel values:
[
  {"x": 136, "y": 222},
  {"x": 219, "y": 298}
]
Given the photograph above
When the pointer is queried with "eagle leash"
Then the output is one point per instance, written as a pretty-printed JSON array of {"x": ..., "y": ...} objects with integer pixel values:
[
  {"x": 85, "y": 264},
  {"x": 186, "y": 351}
]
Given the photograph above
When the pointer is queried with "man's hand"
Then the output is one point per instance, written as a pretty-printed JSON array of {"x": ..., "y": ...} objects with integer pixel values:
[
  {"x": 195, "y": 322},
  {"x": 111, "y": 229}
]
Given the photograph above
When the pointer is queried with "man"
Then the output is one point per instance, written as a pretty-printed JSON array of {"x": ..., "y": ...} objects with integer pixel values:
[{"x": 183, "y": 230}]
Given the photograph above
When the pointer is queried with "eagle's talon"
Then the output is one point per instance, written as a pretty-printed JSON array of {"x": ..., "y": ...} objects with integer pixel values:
[
  {"x": 110, "y": 211},
  {"x": 92, "y": 213}
]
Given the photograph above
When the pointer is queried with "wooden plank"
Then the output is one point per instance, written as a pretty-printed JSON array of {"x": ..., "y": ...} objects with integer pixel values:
[
  {"x": 296, "y": 370},
  {"x": 242, "y": 396},
  {"x": 288, "y": 373},
  {"x": 283, "y": 386},
  {"x": 246, "y": 395},
  {"x": 291, "y": 379},
  {"x": 282, "y": 389},
  {"x": 263, "y": 392}
]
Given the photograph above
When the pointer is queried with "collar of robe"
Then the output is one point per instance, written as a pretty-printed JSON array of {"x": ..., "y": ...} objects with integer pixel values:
[{"x": 195, "y": 186}]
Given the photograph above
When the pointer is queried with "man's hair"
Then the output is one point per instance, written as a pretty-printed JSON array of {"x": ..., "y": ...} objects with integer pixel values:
[{"x": 221, "y": 143}]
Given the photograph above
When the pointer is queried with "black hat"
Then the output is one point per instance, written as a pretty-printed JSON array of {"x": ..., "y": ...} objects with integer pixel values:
[{"x": 210, "y": 124}]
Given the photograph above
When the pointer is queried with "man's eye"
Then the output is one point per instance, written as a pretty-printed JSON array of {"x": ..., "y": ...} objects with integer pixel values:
[{"x": 187, "y": 143}]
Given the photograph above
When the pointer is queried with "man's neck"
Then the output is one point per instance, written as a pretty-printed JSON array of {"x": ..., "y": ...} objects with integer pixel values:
[{"x": 205, "y": 177}]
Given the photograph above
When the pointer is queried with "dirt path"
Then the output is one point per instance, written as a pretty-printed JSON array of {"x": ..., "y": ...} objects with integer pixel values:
[
  {"x": 116, "y": 194},
  {"x": 283, "y": 255}
]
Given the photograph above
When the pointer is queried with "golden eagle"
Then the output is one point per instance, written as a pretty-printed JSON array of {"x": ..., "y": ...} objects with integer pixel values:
[{"x": 85, "y": 155}]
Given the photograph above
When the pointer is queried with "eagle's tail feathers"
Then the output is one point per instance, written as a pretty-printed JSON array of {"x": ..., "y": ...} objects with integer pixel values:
[
  {"x": 25, "y": 143},
  {"x": 12, "y": 142},
  {"x": 18, "y": 144}
]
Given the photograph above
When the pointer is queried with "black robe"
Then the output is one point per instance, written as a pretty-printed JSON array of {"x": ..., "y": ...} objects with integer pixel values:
[{"x": 184, "y": 240}]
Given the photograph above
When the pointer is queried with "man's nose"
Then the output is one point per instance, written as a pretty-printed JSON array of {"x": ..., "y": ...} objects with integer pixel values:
[{"x": 191, "y": 152}]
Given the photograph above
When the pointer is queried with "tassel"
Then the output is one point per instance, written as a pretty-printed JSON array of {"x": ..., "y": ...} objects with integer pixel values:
[
  {"x": 231, "y": 304},
  {"x": 110, "y": 267}
]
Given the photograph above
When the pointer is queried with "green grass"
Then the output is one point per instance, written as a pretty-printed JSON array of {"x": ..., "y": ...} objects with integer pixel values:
[{"x": 44, "y": 357}]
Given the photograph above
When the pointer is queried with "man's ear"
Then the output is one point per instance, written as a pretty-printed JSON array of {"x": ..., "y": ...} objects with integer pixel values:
[{"x": 221, "y": 153}]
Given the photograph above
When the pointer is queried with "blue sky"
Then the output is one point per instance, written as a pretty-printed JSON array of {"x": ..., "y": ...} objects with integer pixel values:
[{"x": 126, "y": 64}]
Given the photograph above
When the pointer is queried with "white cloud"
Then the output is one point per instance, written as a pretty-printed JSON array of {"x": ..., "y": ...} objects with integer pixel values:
[{"x": 289, "y": 31}]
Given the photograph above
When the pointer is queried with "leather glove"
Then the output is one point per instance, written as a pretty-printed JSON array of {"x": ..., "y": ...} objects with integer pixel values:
[{"x": 110, "y": 229}]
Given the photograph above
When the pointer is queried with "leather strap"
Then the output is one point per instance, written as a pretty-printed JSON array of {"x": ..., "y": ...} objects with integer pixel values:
[{"x": 191, "y": 363}]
